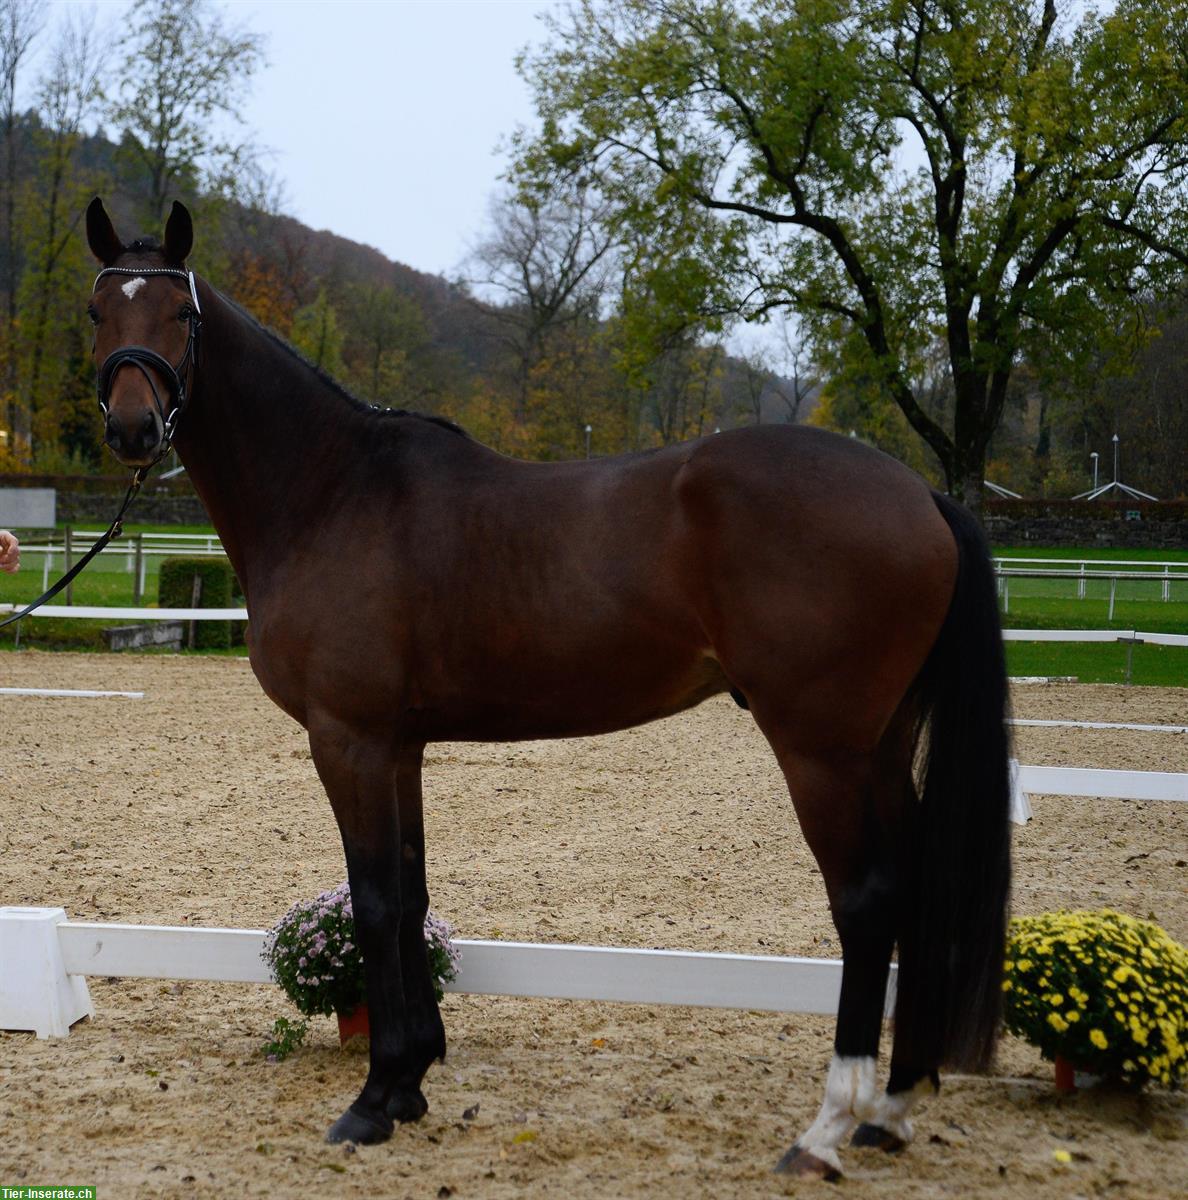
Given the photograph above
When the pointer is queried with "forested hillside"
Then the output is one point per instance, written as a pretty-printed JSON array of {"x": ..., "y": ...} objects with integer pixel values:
[{"x": 594, "y": 313}]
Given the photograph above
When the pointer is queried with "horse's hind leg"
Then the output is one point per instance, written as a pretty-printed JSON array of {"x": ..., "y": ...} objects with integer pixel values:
[
  {"x": 844, "y": 804},
  {"x": 375, "y": 791},
  {"x": 914, "y": 1060}
]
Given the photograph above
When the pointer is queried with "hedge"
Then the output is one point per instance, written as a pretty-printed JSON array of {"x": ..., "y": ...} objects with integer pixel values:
[{"x": 175, "y": 589}]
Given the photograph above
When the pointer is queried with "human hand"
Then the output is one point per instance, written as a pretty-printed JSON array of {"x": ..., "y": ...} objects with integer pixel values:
[{"x": 10, "y": 552}]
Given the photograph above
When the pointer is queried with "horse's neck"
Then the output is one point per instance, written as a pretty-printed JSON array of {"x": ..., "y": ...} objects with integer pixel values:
[{"x": 262, "y": 441}]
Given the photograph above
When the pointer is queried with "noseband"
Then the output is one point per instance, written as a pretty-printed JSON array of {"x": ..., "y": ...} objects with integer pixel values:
[{"x": 141, "y": 357}]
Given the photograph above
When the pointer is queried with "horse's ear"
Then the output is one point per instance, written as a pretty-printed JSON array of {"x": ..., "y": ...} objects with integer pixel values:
[
  {"x": 179, "y": 234},
  {"x": 101, "y": 235}
]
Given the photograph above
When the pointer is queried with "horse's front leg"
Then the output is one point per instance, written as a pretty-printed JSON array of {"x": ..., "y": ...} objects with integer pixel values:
[{"x": 374, "y": 787}]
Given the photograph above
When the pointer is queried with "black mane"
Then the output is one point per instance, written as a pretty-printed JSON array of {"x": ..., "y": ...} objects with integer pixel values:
[{"x": 374, "y": 410}]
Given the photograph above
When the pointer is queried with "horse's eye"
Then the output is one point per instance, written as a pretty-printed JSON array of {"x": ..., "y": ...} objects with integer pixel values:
[
  {"x": 92, "y": 314},
  {"x": 185, "y": 313}
]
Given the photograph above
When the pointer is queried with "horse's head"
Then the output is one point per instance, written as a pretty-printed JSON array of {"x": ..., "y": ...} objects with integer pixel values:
[{"x": 145, "y": 311}]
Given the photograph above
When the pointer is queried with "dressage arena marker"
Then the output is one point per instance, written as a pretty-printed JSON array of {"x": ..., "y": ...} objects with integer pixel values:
[
  {"x": 1098, "y": 725},
  {"x": 7, "y": 691}
]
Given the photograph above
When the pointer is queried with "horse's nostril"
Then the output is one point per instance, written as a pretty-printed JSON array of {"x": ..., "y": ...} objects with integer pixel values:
[{"x": 149, "y": 423}]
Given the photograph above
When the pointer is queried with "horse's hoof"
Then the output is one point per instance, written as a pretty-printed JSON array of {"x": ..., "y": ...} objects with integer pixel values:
[
  {"x": 354, "y": 1126},
  {"x": 406, "y": 1104},
  {"x": 803, "y": 1165},
  {"x": 877, "y": 1137}
]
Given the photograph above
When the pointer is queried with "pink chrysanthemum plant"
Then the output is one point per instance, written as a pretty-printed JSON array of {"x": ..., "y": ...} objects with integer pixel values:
[
  {"x": 314, "y": 956},
  {"x": 1104, "y": 991}
]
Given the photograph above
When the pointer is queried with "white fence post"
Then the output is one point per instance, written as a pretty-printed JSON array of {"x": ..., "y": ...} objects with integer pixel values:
[{"x": 35, "y": 991}]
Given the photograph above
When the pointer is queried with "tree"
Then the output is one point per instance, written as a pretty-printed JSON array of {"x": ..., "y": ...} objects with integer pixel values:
[
  {"x": 545, "y": 262},
  {"x": 66, "y": 95},
  {"x": 317, "y": 335},
  {"x": 190, "y": 72},
  {"x": 20, "y": 22},
  {"x": 385, "y": 343},
  {"x": 986, "y": 173}
]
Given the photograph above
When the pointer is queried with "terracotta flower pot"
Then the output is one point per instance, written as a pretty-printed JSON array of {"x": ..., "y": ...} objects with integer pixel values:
[
  {"x": 1069, "y": 1077},
  {"x": 1066, "y": 1073},
  {"x": 353, "y": 1024}
]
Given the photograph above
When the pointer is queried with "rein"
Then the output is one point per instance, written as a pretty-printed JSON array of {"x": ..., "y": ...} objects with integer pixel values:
[{"x": 141, "y": 357}]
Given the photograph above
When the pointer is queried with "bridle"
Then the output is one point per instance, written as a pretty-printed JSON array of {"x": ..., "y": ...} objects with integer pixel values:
[{"x": 141, "y": 357}]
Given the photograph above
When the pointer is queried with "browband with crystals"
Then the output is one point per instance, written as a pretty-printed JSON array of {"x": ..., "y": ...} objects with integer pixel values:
[{"x": 188, "y": 276}]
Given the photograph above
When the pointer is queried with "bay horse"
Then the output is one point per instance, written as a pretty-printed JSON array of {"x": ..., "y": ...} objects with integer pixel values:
[{"x": 407, "y": 585}]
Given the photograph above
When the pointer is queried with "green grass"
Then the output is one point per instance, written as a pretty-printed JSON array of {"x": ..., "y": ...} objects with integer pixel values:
[
  {"x": 1040, "y": 612},
  {"x": 1101, "y": 662},
  {"x": 106, "y": 582},
  {"x": 1054, "y": 603},
  {"x": 1087, "y": 553}
]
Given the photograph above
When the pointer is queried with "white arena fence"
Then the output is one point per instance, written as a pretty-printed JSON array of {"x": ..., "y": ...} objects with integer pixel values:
[
  {"x": 45, "y": 958},
  {"x": 138, "y": 553},
  {"x": 44, "y": 961},
  {"x": 91, "y": 612},
  {"x": 130, "y": 613},
  {"x": 1089, "y": 579}
]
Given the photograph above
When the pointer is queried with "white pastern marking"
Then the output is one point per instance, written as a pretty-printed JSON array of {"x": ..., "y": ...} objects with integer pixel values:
[
  {"x": 133, "y": 286},
  {"x": 850, "y": 1097},
  {"x": 891, "y": 1111}
]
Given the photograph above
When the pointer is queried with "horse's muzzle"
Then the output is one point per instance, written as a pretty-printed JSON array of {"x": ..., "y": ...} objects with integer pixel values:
[{"x": 134, "y": 441}]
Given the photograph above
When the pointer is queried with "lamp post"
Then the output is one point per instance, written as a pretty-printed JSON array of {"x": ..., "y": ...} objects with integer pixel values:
[
  {"x": 1115, "y": 458},
  {"x": 589, "y": 430},
  {"x": 1093, "y": 455}
]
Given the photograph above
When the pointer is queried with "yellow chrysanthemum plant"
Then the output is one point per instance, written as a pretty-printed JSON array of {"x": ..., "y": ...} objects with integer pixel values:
[{"x": 1104, "y": 991}]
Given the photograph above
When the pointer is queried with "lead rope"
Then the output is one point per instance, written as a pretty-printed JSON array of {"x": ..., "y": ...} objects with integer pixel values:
[{"x": 113, "y": 531}]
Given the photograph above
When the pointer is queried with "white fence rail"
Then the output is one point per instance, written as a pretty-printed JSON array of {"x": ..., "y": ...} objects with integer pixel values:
[
  {"x": 1094, "y": 635},
  {"x": 1104, "y": 784},
  {"x": 93, "y": 612},
  {"x": 130, "y": 613},
  {"x": 1086, "y": 572},
  {"x": 138, "y": 552},
  {"x": 560, "y": 972},
  {"x": 44, "y": 958}
]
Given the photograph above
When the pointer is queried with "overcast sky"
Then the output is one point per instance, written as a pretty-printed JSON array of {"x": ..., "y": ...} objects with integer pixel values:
[{"x": 384, "y": 116}]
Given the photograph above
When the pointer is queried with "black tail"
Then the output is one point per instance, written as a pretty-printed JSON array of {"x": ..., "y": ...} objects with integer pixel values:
[{"x": 952, "y": 949}]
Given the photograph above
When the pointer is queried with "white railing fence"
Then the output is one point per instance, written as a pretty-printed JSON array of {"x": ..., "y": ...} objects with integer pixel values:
[
  {"x": 1141, "y": 580},
  {"x": 45, "y": 958}
]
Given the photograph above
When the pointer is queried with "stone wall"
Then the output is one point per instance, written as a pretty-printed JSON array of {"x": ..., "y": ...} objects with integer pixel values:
[
  {"x": 81, "y": 508},
  {"x": 1119, "y": 525},
  {"x": 95, "y": 499}
]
